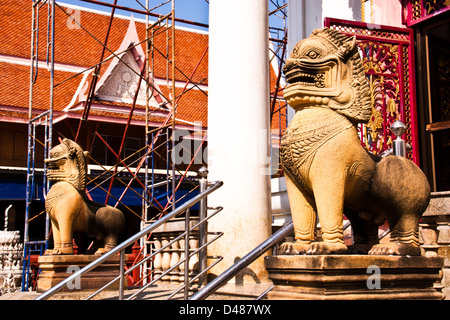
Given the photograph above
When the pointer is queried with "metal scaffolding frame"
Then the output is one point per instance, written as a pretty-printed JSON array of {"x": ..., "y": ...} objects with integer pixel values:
[
  {"x": 157, "y": 139},
  {"x": 45, "y": 119},
  {"x": 278, "y": 47}
]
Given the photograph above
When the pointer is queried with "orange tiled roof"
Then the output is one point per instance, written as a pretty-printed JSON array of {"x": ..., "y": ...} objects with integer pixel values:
[
  {"x": 14, "y": 90},
  {"x": 80, "y": 48}
]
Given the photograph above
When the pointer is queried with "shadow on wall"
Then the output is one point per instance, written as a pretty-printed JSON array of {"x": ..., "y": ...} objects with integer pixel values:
[
  {"x": 355, "y": 5},
  {"x": 245, "y": 272}
]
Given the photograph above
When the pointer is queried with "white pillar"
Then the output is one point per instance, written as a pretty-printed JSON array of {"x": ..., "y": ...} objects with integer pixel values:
[{"x": 238, "y": 128}]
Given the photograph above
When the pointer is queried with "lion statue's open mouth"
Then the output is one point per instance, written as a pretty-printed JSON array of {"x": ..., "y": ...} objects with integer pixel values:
[
  {"x": 67, "y": 163},
  {"x": 298, "y": 75},
  {"x": 310, "y": 78},
  {"x": 326, "y": 69}
]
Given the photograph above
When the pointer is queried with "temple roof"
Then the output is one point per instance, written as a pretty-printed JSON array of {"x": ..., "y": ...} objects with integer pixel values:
[{"x": 78, "y": 49}]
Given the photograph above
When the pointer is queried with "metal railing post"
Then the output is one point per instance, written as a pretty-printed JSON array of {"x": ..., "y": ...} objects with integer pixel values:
[
  {"x": 219, "y": 281},
  {"x": 399, "y": 146},
  {"x": 203, "y": 228},
  {"x": 130, "y": 241},
  {"x": 186, "y": 256},
  {"x": 122, "y": 269}
]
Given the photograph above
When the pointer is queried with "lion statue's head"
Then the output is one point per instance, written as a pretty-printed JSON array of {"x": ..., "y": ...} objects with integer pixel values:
[
  {"x": 67, "y": 163},
  {"x": 326, "y": 69}
]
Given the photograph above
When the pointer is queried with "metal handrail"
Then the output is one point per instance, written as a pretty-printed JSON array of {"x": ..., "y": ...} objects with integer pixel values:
[
  {"x": 222, "y": 279},
  {"x": 184, "y": 260},
  {"x": 218, "y": 282},
  {"x": 130, "y": 241},
  {"x": 142, "y": 261}
]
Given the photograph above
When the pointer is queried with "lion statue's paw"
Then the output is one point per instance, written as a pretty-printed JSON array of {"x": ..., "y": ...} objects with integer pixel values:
[
  {"x": 67, "y": 250},
  {"x": 395, "y": 248},
  {"x": 293, "y": 248},
  {"x": 327, "y": 248},
  {"x": 105, "y": 249},
  {"x": 50, "y": 252},
  {"x": 361, "y": 248}
]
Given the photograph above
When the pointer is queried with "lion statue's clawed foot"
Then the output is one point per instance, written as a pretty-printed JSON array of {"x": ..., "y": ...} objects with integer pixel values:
[
  {"x": 101, "y": 251},
  {"x": 359, "y": 248},
  {"x": 327, "y": 248},
  {"x": 105, "y": 249},
  {"x": 395, "y": 248},
  {"x": 293, "y": 248},
  {"x": 66, "y": 248},
  {"x": 51, "y": 252},
  {"x": 403, "y": 243}
]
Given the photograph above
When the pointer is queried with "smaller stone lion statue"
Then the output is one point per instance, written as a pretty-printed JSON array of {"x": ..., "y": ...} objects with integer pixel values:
[
  {"x": 68, "y": 207},
  {"x": 328, "y": 172}
]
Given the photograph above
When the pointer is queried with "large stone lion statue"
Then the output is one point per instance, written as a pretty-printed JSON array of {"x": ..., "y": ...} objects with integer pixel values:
[
  {"x": 328, "y": 172},
  {"x": 68, "y": 207}
]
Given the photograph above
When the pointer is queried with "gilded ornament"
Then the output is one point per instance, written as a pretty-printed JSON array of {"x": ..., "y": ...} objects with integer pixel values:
[
  {"x": 375, "y": 123},
  {"x": 391, "y": 107}
]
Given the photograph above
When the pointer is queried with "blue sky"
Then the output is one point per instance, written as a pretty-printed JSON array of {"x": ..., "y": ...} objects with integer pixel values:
[{"x": 192, "y": 10}]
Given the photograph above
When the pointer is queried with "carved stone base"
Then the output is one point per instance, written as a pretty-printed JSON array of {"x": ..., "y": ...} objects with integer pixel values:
[
  {"x": 54, "y": 269},
  {"x": 354, "y": 277}
]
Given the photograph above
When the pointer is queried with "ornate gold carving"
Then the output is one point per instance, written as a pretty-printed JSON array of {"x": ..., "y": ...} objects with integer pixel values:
[{"x": 375, "y": 123}]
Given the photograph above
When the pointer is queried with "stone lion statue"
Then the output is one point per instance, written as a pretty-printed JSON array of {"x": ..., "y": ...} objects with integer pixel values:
[
  {"x": 328, "y": 172},
  {"x": 68, "y": 207}
]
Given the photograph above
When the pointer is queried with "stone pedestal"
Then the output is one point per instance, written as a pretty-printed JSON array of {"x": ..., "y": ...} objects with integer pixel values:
[
  {"x": 54, "y": 269},
  {"x": 354, "y": 277}
]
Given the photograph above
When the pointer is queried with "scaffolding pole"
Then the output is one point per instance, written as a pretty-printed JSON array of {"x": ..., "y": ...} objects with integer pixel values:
[{"x": 45, "y": 119}]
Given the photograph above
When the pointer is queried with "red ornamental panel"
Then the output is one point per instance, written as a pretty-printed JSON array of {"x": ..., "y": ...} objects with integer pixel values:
[
  {"x": 388, "y": 59},
  {"x": 416, "y": 11}
]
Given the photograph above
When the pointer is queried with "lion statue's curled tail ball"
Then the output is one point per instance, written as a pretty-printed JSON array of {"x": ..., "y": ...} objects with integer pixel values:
[
  {"x": 328, "y": 172},
  {"x": 68, "y": 207}
]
